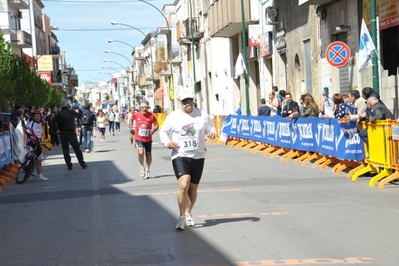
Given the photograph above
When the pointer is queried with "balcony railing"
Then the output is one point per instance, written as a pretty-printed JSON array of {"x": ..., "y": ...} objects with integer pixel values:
[{"x": 184, "y": 32}]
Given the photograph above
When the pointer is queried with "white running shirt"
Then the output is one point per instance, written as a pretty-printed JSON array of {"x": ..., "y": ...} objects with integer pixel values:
[
  {"x": 189, "y": 131},
  {"x": 101, "y": 121}
]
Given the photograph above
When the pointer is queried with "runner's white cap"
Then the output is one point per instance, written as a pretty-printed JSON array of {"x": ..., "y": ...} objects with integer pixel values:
[{"x": 186, "y": 94}]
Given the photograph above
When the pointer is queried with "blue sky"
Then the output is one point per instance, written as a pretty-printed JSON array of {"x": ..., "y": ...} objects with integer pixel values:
[{"x": 85, "y": 28}]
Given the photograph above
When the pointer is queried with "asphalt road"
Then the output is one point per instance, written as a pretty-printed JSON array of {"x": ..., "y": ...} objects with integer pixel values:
[{"x": 251, "y": 210}]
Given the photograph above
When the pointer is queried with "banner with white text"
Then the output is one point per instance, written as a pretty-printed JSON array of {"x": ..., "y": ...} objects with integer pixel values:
[{"x": 326, "y": 136}]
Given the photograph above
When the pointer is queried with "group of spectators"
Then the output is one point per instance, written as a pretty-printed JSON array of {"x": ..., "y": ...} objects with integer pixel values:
[{"x": 353, "y": 107}]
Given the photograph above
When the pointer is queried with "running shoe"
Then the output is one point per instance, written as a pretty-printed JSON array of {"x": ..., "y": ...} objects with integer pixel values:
[
  {"x": 142, "y": 172},
  {"x": 42, "y": 178},
  {"x": 180, "y": 223},
  {"x": 147, "y": 174},
  {"x": 189, "y": 220}
]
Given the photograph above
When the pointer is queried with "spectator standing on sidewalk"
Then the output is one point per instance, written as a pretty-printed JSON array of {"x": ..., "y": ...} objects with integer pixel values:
[
  {"x": 189, "y": 126},
  {"x": 87, "y": 126},
  {"x": 64, "y": 124},
  {"x": 146, "y": 126}
]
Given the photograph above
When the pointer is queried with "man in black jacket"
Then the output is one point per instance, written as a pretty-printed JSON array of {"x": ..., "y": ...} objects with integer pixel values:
[
  {"x": 64, "y": 124},
  {"x": 290, "y": 105},
  {"x": 264, "y": 110},
  {"x": 378, "y": 112}
]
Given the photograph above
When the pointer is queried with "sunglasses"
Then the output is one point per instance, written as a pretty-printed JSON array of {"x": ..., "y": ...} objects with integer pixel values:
[{"x": 185, "y": 101}]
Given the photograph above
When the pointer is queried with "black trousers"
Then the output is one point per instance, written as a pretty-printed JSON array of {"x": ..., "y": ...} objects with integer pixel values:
[{"x": 70, "y": 137}]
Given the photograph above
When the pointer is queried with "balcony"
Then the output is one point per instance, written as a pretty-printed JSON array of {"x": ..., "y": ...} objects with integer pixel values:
[
  {"x": 22, "y": 39},
  {"x": 19, "y": 4},
  {"x": 142, "y": 80},
  {"x": 312, "y": 2},
  {"x": 161, "y": 68},
  {"x": 176, "y": 56},
  {"x": 225, "y": 17},
  {"x": 184, "y": 34},
  {"x": 54, "y": 49}
]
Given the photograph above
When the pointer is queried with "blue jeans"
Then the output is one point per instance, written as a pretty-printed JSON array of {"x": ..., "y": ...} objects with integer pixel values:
[{"x": 86, "y": 133}]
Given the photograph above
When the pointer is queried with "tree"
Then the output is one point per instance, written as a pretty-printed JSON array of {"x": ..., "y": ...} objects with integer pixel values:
[{"x": 19, "y": 84}]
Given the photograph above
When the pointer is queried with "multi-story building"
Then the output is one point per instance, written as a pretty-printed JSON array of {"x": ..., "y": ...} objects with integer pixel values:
[{"x": 23, "y": 24}]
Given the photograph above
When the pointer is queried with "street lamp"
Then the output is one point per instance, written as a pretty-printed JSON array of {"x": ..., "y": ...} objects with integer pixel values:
[
  {"x": 112, "y": 69},
  {"x": 192, "y": 45},
  {"x": 152, "y": 62},
  {"x": 244, "y": 44},
  {"x": 110, "y": 52},
  {"x": 110, "y": 41},
  {"x": 105, "y": 60},
  {"x": 100, "y": 79}
]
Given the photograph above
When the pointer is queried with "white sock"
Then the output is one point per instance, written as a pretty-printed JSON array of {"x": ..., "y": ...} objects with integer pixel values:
[{"x": 41, "y": 176}]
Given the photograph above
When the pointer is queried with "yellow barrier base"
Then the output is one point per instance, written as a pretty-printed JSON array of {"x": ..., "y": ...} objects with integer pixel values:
[
  {"x": 249, "y": 145},
  {"x": 388, "y": 179},
  {"x": 385, "y": 172},
  {"x": 268, "y": 150},
  {"x": 314, "y": 156},
  {"x": 259, "y": 147}
]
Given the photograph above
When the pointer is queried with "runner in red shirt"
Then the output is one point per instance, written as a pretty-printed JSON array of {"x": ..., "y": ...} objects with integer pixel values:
[{"x": 146, "y": 126}]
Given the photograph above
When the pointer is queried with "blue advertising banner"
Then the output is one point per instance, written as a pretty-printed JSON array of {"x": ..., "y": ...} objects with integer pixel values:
[
  {"x": 5, "y": 150},
  {"x": 326, "y": 136}
]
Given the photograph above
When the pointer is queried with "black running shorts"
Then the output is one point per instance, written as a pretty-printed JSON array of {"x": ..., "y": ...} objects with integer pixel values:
[
  {"x": 188, "y": 166},
  {"x": 147, "y": 145}
]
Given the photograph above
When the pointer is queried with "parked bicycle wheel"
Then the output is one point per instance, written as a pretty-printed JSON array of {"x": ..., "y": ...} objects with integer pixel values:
[
  {"x": 26, "y": 169},
  {"x": 20, "y": 175}
]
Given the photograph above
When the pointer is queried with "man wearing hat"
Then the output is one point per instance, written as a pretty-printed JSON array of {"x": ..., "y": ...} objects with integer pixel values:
[
  {"x": 146, "y": 126},
  {"x": 63, "y": 123},
  {"x": 189, "y": 126}
]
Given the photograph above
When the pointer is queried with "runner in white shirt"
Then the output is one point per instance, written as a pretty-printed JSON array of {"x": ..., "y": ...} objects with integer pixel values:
[
  {"x": 111, "y": 118},
  {"x": 101, "y": 123},
  {"x": 189, "y": 126},
  {"x": 117, "y": 120}
]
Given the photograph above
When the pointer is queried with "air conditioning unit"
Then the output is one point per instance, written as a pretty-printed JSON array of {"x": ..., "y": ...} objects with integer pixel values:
[{"x": 271, "y": 16}]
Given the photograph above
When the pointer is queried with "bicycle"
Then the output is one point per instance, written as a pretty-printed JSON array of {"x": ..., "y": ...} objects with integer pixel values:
[{"x": 29, "y": 165}]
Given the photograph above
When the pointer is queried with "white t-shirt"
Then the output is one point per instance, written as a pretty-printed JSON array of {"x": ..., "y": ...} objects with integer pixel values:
[
  {"x": 328, "y": 106},
  {"x": 189, "y": 131},
  {"x": 101, "y": 121},
  {"x": 35, "y": 129},
  {"x": 111, "y": 116},
  {"x": 117, "y": 117}
]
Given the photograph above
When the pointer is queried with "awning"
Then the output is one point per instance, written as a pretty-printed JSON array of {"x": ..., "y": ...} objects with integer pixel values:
[{"x": 158, "y": 94}]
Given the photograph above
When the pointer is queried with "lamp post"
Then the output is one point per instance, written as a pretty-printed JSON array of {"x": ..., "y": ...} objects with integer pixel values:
[
  {"x": 169, "y": 43},
  {"x": 152, "y": 60},
  {"x": 192, "y": 45},
  {"x": 112, "y": 69},
  {"x": 110, "y": 52},
  {"x": 110, "y": 41},
  {"x": 105, "y": 60},
  {"x": 244, "y": 44},
  {"x": 374, "y": 58}
]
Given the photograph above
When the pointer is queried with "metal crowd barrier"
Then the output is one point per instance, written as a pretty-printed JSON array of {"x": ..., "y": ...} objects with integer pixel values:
[{"x": 8, "y": 171}]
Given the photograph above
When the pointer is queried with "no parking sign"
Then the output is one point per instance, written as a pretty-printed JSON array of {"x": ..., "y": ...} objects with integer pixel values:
[{"x": 338, "y": 54}]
